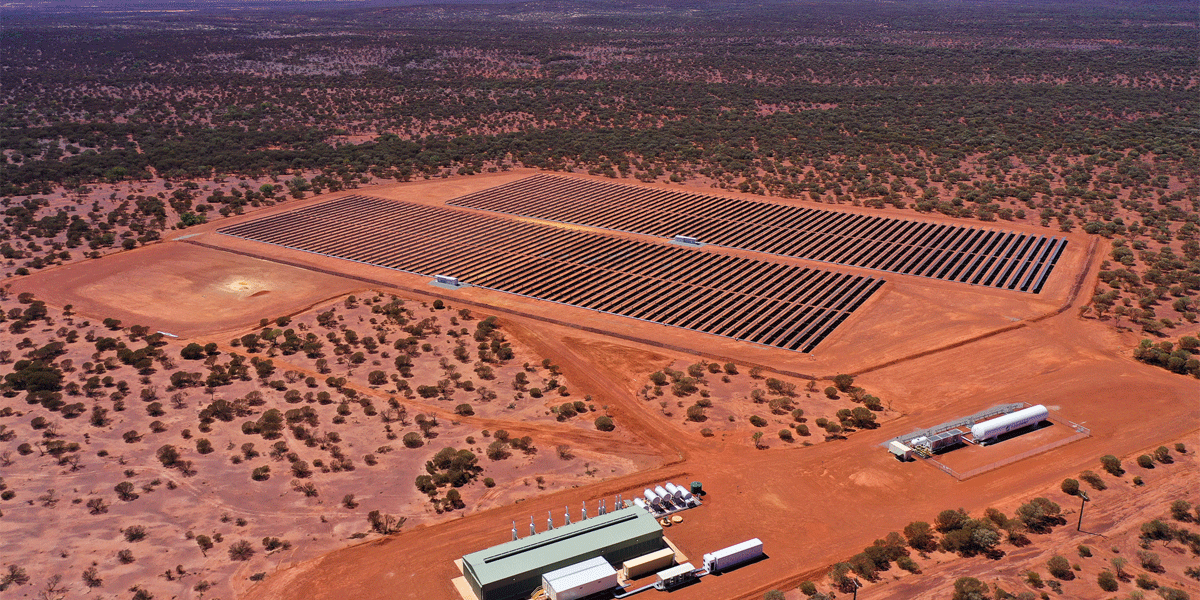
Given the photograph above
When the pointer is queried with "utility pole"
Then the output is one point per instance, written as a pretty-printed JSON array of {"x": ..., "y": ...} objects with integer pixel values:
[
  {"x": 857, "y": 584},
  {"x": 1083, "y": 500}
]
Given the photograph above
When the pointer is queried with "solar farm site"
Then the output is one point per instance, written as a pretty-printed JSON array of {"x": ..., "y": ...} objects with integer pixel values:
[
  {"x": 998, "y": 259},
  {"x": 753, "y": 300}
]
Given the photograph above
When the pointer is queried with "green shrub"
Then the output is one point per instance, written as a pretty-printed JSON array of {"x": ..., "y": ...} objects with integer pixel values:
[
  {"x": 1107, "y": 581},
  {"x": 1112, "y": 464},
  {"x": 1060, "y": 568},
  {"x": 1070, "y": 486}
]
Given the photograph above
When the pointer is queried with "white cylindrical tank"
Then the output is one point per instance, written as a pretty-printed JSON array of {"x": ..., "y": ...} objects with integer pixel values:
[
  {"x": 663, "y": 493},
  {"x": 675, "y": 491},
  {"x": 638, "y": 502},
  {"x": 1006, "y": 423},
  {"x": 651, "y": 497},
  {"x": 681, "y": 492}
]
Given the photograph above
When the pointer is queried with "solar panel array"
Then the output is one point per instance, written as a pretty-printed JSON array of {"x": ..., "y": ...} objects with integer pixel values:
[
  {"x": 998, "y": 259},
  {"x": 760, "y": 301}
]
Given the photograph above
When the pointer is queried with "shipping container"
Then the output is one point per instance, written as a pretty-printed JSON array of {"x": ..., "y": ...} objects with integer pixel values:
[
  {"x": 649, "y": 563},
  {"x": 733, "y": 555},
  {"x": 580, "y": 580}
]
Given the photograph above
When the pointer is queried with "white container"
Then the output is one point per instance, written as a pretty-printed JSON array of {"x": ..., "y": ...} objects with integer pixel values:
[
  {"x": 580, "y": 579},
  {"x": 733, "y": 555},
  {"x": 1010, "y": 422},
  {"x": 638, "y": 502},
  {"x": 900, "y": 450},
  {"x": 447, "y": 280},
  {"x": 674, "y": 576}
]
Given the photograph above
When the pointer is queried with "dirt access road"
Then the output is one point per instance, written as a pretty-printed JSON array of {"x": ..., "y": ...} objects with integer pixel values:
[{"x": 818, "y": 505}]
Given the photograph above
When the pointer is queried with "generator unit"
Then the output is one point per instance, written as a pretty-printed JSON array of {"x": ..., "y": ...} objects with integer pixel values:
[{"x": 675, "y": 576}]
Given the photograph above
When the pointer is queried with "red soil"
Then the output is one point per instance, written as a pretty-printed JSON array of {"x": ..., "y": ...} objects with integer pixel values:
[{"x": 932, "y": 350}]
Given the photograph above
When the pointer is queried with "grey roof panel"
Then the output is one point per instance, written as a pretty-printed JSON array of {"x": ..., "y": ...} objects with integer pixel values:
[{"x": 584, "y": 537}]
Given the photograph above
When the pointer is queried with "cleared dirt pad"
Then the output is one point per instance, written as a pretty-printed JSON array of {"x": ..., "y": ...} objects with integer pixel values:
[{"x": 182, "y": 289}]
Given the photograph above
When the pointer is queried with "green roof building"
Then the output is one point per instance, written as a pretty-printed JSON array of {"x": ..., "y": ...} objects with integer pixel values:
[{"x": 514, "y": 569}]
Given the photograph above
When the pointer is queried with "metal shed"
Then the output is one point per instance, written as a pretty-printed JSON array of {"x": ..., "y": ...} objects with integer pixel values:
[{"x": 514, "y": 569}]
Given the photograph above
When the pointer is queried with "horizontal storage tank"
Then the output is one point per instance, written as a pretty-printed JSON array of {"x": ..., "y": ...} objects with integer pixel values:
[
  {"x": 648, "y": 563},
  {"x": 733, "y": 555},
  {"x": 580, "y": 580},
  {"x": 676, "y": 491},
  {"x": 651, "y": 497},
  {"x": 638, "y": 502},
  {"x": 1010, "y": 422},
  {"x": 663, "y": 493}
]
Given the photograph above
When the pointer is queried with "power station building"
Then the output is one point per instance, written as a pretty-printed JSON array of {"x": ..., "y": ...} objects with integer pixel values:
[{"x": 514, "y": 569}]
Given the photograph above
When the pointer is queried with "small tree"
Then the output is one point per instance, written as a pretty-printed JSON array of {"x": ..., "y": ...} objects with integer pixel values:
[
  {"x": 384, "y": 523},
  {"x": 1144, "y": 461},
  {"x": 920, "y": 536},
  {"x": 241, "y": 550},
  {"x": 1107, "y": 581},
  {"x": 843, "y": 382},
  {"x": 1060, "y": 568},
  {"x": 1112, "y": 464},
  {"x": 1150, "y": 561},
  {"x": 125, "y": 491},
  {"x": 205, "y": 543},
  {"x": 91, "y": 577},
  {"x": 1040, "y": 514},
  {"x": 262, "y": 473},
  {"x": 1118, "y": 564},
  {"x": 168, "y": 455},
  {"x": 134, "y": 533},
  {"x": 605, "y": 423},
  {"x": 1070, "y": 486},
  {"x": 1181, "y": 511},
  {"x": 969, "y": 588}
]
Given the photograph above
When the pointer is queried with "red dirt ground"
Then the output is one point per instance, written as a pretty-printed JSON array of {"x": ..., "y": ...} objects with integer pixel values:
[{"x": 931, "y": 350}]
